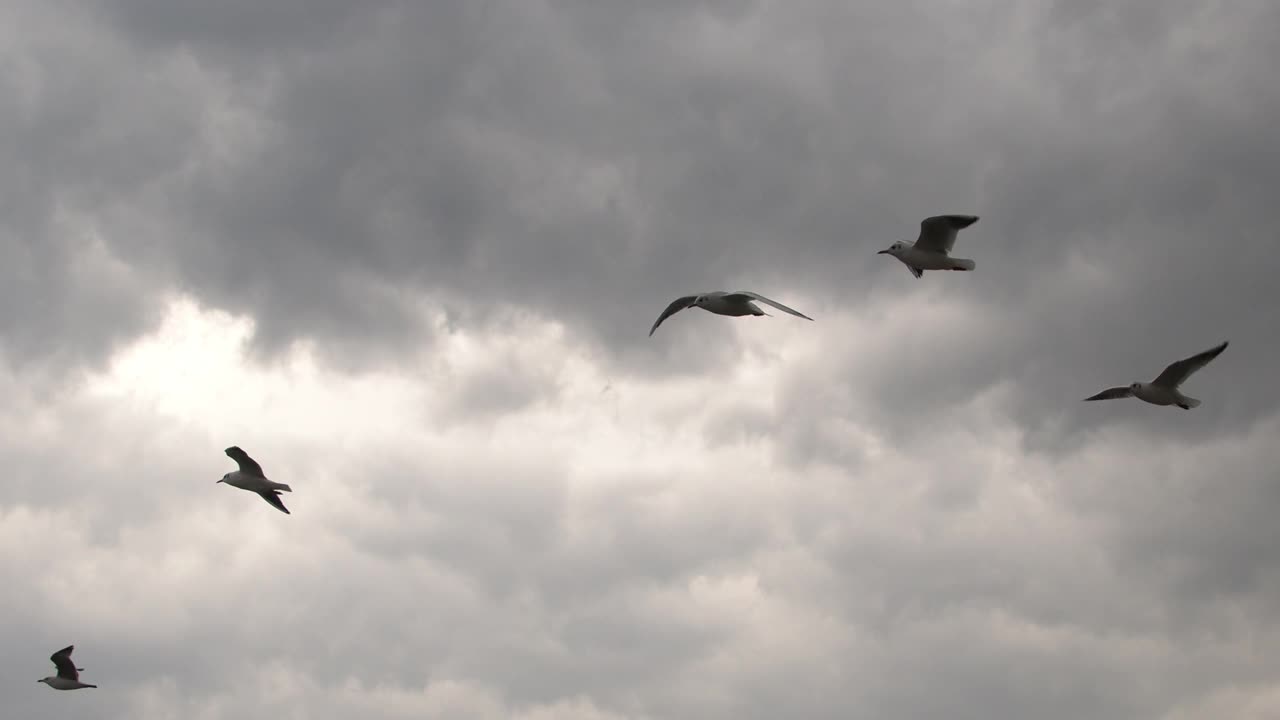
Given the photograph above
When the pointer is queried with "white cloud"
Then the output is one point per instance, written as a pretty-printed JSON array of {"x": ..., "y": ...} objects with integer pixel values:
[{"x": 597, "y": 552}]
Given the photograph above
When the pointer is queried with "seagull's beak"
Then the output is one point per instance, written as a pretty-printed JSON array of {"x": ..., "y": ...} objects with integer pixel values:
[
  {"x": 883, "y": 252},
  {"x": 219, "y": 480}
]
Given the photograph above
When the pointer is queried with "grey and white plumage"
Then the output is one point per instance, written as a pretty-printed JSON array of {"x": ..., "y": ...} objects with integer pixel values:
[
  {"x": 250, "y": 477},
  {"x": 932, "y": 249},
  {"x": 733, "y": 304},
  {"x": 1164, "y": 389},
  {"x": 68, "y": 677}
]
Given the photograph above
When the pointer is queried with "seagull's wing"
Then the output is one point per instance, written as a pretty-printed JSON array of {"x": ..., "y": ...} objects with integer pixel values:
[
  {"x": 1114, "y": 393},
  {"x": 676, "y": 306},
  {"x": 62, "y": 661},
  {"x": 748, "y": 295},
  {"x": 273, "y": 497},
  {"x": 1178, "y": 372},
  {"x": 938, "y": 233},
  {"x": 248, "y": 465}
]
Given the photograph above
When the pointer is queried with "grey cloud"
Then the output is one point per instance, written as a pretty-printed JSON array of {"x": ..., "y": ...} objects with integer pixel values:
[
  {"x": 1154, "y": 178},
  {"x": 230, "y": 28},
  {"x": 370, "y": 177},
  {"x": 415, "y": 568},
  {"x": 575, "y": 169}
]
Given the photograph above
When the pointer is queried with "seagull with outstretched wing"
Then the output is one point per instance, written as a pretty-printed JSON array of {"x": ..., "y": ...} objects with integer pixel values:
[
  {"x": 1164, "y": 389},
  {"x": 733, "y": 304},
  {"x": 68, "y": 677},
  {"x": 932, "y": 249},
  {"x": 250, "y": 477}
]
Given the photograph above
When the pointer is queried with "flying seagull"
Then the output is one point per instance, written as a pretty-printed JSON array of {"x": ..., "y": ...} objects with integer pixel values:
[
  {"x": 1164, "y": 389},
  {"x": 68, "y": 677},
  {"x": 734, "y": 304},
  {"x": 250, "y": 477},
  {"x": 931, "y": 250}
]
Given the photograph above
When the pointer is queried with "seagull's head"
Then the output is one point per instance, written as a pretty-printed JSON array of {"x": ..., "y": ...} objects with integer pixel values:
[
  {"x": 1135, "y": 386},
  {"x": 224, "y": 478},
  {"x": 44, "y": 680},
  {"x": 698, "y": 301},
  {"x": 893, "y": 249}
]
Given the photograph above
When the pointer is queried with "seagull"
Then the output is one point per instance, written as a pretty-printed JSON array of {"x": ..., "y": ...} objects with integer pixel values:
[
  {"x": 68, "y": 677},
  {"x": 1164, "y": 389},
  {"x": 250, "y": 477},
  {"x": 930, "y": 251},
  {"x": 734, "y": 304}
]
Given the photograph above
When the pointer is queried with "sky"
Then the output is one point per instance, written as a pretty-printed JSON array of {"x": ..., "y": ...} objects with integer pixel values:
[{"x": 406, "y": 255}]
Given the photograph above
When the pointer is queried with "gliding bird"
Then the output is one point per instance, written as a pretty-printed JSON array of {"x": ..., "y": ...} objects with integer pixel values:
[
  {"x": 68, "y": 677},
  {"x": 250, "y": 477},
  {"x": 734, "y": 304},
  {"x": 1164, "y": 389},
  {"x": 931, "y": 250}
]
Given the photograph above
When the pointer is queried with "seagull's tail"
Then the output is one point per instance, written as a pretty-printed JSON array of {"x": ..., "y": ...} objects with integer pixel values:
[
  {"x": 962, "y": 264},
  {"x": 1186, "y": 403},
  {"x": 282, "y": 486}
]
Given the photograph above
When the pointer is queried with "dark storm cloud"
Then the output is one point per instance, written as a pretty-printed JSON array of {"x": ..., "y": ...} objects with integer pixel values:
[
  {"x": 591, "y": 165},
  {"x": 1126, "y": 223},
  {"x": 74, "y": 145},
  {"x": 238, "y": 26},
  {"x": 501, "y": 153}
]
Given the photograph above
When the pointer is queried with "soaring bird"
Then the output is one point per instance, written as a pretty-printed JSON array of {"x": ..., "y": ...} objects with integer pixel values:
[
  {"x": 1164, "y": 389},
  {"x": 931, "y": 251},
  {"x": 250, "y": 477},
  {"x": 734, "y": 304},
  {"x": 68, "y": 677}
]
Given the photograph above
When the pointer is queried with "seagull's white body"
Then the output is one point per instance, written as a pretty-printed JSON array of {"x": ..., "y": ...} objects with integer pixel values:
[
  {"x": 733, "y": 304},
  {"x": 914, "y": 257},
  {"x": 932, "y": 249},
  {"x": 250, "y": 477},
  {"x": 1164, "y": 389},
  {"x": 68, "y": 677},
  {"x": 1157, "y": 395},
  {"x": 244, "y": 481},
  {"x": 61, "y": 683},
  {"x": 719, "y": 304}
]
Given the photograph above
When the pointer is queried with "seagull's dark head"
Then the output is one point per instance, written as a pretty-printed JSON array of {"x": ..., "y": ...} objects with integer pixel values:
[
  {"x": 1134, "y": 386},
  {"x": 224, "y": 479}
]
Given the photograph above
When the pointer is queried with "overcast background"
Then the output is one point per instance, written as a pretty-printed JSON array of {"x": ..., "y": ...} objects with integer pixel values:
[{"x": 406, "y": 254}]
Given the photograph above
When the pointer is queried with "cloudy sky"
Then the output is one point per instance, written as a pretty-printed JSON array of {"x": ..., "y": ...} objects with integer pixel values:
[{"x": 407, "y": 253}]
